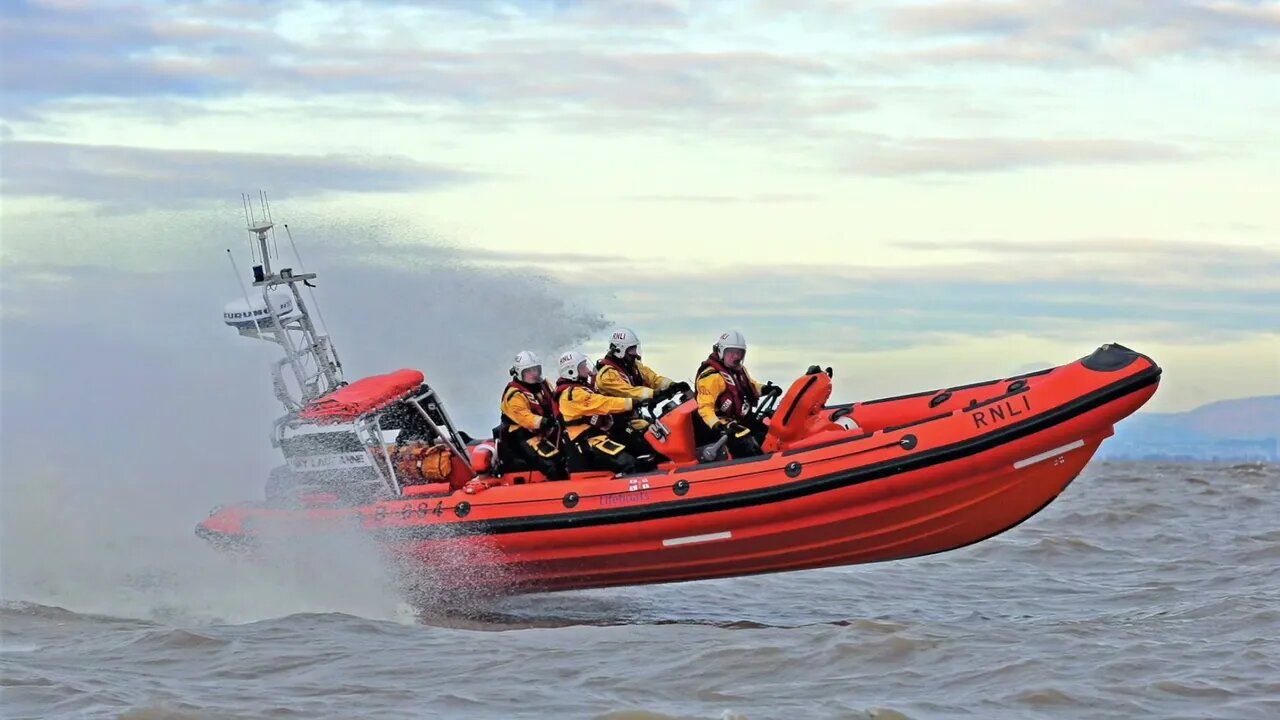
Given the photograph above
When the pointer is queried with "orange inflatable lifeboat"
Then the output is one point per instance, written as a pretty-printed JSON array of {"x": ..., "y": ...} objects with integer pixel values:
[{"x": 876, "y": 480}]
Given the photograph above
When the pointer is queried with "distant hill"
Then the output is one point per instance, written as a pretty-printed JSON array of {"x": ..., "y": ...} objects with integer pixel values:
[
  {"x": 1240, "y": 429},
  {"x": 1255, "y": 417}
]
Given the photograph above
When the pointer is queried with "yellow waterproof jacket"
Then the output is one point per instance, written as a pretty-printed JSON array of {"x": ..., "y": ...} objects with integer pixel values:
[
  {"x": 718, "y": 400},
  {"x": 613, "y": 379},
  {"x": 524, "y": 406},
  {"x": 581, "y": 407}
]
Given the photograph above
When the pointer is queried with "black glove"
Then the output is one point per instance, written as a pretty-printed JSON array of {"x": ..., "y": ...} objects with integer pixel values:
[
  {"x": 671, "y": 390},
  {"x": 771, "y": 390},
  {"x": 546, "y": 424},
  {"x": 814, "y": 370},
  {"x": 733, "y": 428}
]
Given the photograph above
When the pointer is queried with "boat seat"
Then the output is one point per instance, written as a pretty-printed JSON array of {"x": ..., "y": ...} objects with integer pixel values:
[{"x": 504, "y": 462}]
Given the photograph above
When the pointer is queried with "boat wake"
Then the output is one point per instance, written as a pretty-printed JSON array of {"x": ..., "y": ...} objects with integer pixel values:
[{"x": 100, "y": 553}]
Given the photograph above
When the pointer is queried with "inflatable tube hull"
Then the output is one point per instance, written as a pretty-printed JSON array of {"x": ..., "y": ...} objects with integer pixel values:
[{"x": 922, "y": 474}]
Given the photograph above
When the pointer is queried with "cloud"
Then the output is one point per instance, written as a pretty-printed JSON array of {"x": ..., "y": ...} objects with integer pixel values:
[
  {"x": 596, "y": 66},
  {"x": 555, "y": 65},
  {"x": 130, "y": 175},
  {"x": 590, "y": 13},
  {"x": 597, "y": 90},
  {"x": 886, "y": 158},
  {"x": 629, "y": 13},
  {"x": 513, "y": 260},
  {"x": 964, "y": 18},
  {"x": 1154, "y": 293},
  {"x": 1065, "y": 33},
  {"x": 1169, "y": 263},
  {"x": 1168, "y": 248},
  {"x": 758, "y": 198},
  {"x": 53, "y": 50}
]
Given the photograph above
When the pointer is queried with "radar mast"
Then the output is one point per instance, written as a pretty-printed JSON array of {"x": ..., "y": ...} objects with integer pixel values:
[{"x": 279, "y": 315}]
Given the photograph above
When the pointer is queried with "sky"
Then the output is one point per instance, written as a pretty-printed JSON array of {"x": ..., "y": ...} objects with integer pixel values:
[{"x": 919, "y": 194}]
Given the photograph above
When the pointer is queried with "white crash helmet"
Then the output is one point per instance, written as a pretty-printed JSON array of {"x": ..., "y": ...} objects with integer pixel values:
[
  {"x": 571, "y": 366},
  {"x": 525, "y": 360},
  {"x": 621, "y": 341},
  {"x": 730, "y": 339}
]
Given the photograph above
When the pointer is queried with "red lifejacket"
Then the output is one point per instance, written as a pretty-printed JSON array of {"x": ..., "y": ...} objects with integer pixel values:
[
  {"x": 739, "y": 393},
  {"x": 540, "y": 399},
  {"x": 632, "y": 373}
]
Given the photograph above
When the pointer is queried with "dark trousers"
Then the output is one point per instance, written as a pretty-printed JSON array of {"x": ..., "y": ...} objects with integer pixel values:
[
  {"x": 614, "y": 451},
  {"x": 632, "y": 436},
  {"x": 532, "y": 451},
  {"x": 739, "y": 447}
]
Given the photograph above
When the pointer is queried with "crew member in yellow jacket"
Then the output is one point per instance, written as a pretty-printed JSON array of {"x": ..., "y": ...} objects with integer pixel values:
[
  {"x": 530, "y": 431},
  {"x": 620, "y": 373},
  {"x": 726, "y": 395},
  {"x": 595, "y": 440}
]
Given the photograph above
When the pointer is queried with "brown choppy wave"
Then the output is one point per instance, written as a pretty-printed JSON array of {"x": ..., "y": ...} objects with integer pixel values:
[{"x": 1144, "y": 591}]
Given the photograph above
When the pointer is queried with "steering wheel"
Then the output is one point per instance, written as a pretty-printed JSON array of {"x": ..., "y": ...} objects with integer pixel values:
[
  {"x": 765, "y": 408},
  {"x": 655, "y": 412}
]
